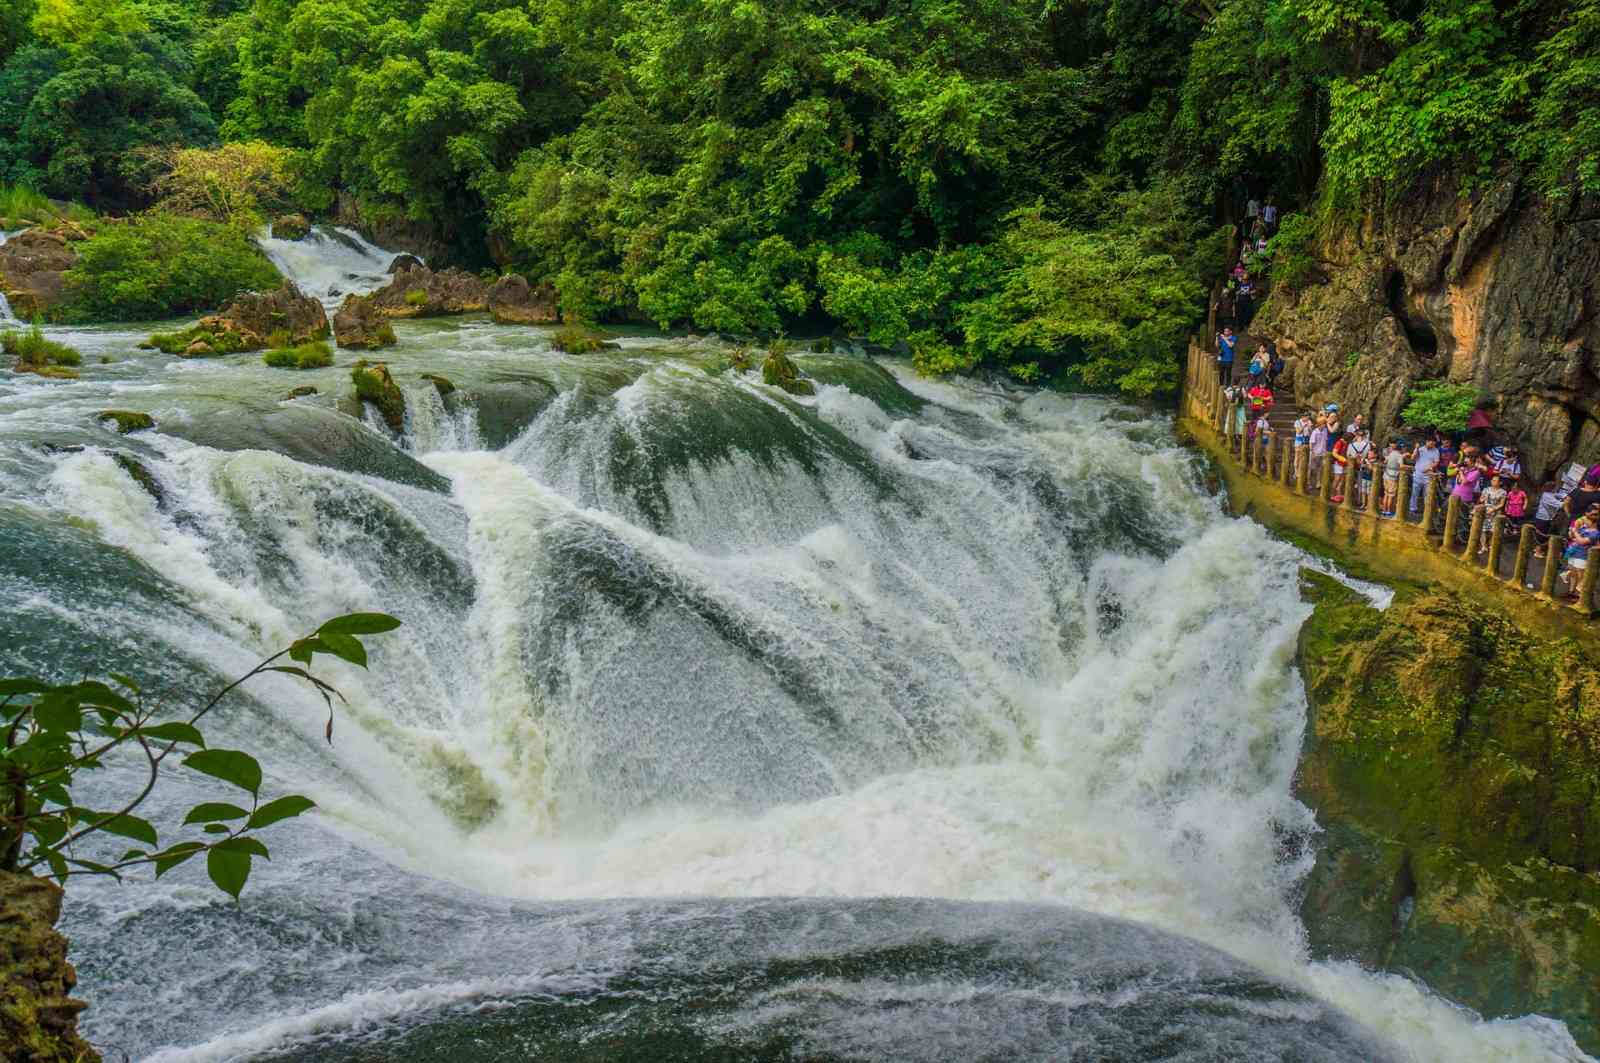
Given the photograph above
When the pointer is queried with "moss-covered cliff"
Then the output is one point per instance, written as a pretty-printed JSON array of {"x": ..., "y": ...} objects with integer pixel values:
[
  {"x": 1454, "y": 763},
  {"x": 38, "y": 1020}
]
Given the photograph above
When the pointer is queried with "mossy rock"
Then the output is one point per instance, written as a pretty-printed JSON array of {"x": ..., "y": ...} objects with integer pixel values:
[
  {"x": 1453, "y": 760},
  {"x": 195, "y": 342},
  {"x": 441, "y": 384},
  {"x": 141, "y": 476},
  {"x": 376, "y": 387},
  {"x": 38, "y": 1020},
  {"x": 291, "y": 227},
  {"x": 302, "y": 391},
  {"x": 127, "y": 420},
  {"x": 49, "y": 372},
  {"x": 780, "y": 371},
  {"x": 579, "y": 339},
  {"x": 314, "y": 355}
]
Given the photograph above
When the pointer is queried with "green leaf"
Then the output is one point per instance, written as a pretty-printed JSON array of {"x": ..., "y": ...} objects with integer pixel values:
[
  {"x": 97, "y": 693},
  {"x": 282, "y": 808},
  {"x": 216, "y": 828},
  {"x": 94, "y": 868},
  {"x": 346, "y": 647},
  {"x": 10, "y": 687},
  {"x": 58, "y": 711},
  {"x": 359, "y": 624},
  {"x": 245, "y": 845},
  {"x": 125, "y": 681},
  {"x": 175, "y": 731},
  {"x": 168, "y": 859},
  {"x": 58, "y": 864},
  {"x": 302, "y": 649},
  {"x": 128, "y": 826},
  {"x": 229, "y": 870},
  {"x": 212, "y": 811},
  {"x": 229, "y": 765}
]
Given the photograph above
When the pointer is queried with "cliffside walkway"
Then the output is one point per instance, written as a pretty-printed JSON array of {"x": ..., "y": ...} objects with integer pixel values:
[{"x": 1461, "y": 533}]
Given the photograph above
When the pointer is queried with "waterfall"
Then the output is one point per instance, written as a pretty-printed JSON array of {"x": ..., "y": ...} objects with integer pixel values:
[
  {"x": 691, "y": 671},
  {"x": 329, "y": 263},
  {"x": 6, "y": 316}
]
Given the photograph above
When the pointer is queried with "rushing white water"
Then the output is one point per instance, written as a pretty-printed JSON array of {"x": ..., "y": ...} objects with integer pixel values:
[
  {"x": 671, "y": 634},
  {"x": 6, "y": 315},
  {"x": 329, "y": 263}
]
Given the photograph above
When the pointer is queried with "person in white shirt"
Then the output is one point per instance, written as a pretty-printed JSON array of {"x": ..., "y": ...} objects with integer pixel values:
[
  {"x": 1425, "y": 458},
  {"x": 1269, "y": 214}
]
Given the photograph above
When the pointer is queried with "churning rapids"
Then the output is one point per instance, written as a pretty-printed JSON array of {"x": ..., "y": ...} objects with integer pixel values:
[{"x": 913, "y": 721}]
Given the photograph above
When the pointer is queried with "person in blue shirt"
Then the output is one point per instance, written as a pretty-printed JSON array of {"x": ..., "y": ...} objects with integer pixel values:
[{"x": 1226, "y": 343}]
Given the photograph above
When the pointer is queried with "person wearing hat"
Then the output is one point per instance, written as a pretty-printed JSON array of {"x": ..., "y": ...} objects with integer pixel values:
[
  {"x": 1332, "y": 410},
  {"x": 1361, "y": 452}
]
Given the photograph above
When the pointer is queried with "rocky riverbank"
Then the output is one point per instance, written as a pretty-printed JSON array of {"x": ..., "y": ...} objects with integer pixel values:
[
  {"x": 38, "y": 1018},
  {"x": 1453, "y": 760}
]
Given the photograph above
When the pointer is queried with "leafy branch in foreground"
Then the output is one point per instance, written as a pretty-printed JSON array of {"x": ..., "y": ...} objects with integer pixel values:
[{"x": 53, "y": 732}]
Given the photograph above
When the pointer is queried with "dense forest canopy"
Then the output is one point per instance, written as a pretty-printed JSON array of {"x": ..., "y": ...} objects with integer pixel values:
[{"x": 1031, "y": 184}]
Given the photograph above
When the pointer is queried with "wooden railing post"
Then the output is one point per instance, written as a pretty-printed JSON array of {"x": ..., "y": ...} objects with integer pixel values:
[
  {"x": 1325, "y": 491},
  {"x": 1497, "y": 530},
  {"x": 1281, "y": 452},
  {"x": 1302, "y": 467},
  {"x": 1452, "y": 518},
  {"x": 1552, "y": 567},
  {"x": 1430, "y": 503},
  {"x": 1585, "y": 602},
  {"x": 1347, "y": 486},
  {"x": 1474, "y": 535},
  {"x": 1402, "y": 494},
  {"x": 1519, "y": 568}
]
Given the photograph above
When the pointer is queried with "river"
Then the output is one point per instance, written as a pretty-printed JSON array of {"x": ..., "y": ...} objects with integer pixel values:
[{"x": 916, "y": 720}]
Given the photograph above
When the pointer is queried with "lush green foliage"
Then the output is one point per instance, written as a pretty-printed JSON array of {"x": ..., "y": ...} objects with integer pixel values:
[
  {"x": 31, "y": 348},
  {"x": 314, "y": 355},
  {"x": 55, "y": 733},
  {"x": 1440, "y": 404},
  {"x": 162, "y": 265},
  {"x": 1018, "y": 183}
]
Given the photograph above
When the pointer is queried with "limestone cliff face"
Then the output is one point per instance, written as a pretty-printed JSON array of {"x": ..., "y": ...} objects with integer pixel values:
[
  {"x": 38, "y": 1020},
  {"x": 1497, "y": 288}
]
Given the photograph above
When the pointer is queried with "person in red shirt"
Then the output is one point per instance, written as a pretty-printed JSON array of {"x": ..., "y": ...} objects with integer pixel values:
[{"x": 1340, "y": 450}]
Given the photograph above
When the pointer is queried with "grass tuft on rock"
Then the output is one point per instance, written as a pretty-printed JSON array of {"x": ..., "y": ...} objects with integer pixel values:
[
  {"x": 127, "y": 420},
  {"x": 36, "y": 353},
  {"x": 314, "y": 355},
  {"x": 577, "y": 339}
]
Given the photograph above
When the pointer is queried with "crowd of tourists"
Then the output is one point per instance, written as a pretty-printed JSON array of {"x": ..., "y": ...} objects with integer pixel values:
[
  {"x": 1473, "y": 466},
  {"x": 1468, "y": 466}
]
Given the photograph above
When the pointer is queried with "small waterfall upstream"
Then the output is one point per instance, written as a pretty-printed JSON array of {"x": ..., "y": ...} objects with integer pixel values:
[
  {"x": 912, "y": 721},
  {"x": 329, "y": 263},
  {"x": 6, "y": 316}
]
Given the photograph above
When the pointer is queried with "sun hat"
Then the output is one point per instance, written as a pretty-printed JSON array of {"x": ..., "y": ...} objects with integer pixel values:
[{"x": 1332, "y": 407}]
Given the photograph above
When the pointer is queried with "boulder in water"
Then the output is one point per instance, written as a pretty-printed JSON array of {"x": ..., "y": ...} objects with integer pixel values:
[
  {"x": 33, "y": 267},
  {"x": 127, "y": 420},
  {"x": 418, "y": 291},
  {"x": 441, "y": 384},
  {"x": 141, "y": 476},
  {"x": 302, "y": 391},
  {"x": 291, "y": 227},
  {"x": 780, "y": 371},
  {"x": 375, "y": 386},
  {"x": 252, "y": 322},
  {"x": 404, "y": 262},
  {"x": 360, "y": 324},
  {"x": 513, "y": 302}
]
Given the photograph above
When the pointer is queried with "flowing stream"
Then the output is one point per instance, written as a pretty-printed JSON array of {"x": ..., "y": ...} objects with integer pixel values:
[{"x": 915, "y": 721}]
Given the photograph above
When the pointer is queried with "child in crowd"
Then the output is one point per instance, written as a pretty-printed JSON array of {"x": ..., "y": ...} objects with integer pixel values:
[
  {"x": 1516, "y": 505},
  {"x": 1494, "y": 505}
]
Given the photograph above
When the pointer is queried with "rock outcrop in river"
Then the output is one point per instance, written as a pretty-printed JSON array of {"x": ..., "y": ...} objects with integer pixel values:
[
  {"x": 254, "y": 321},
  {"x": 1497, "y": 289},
  {"x": 33, "y": 267},
  {"x": 418, "y": 291}
]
